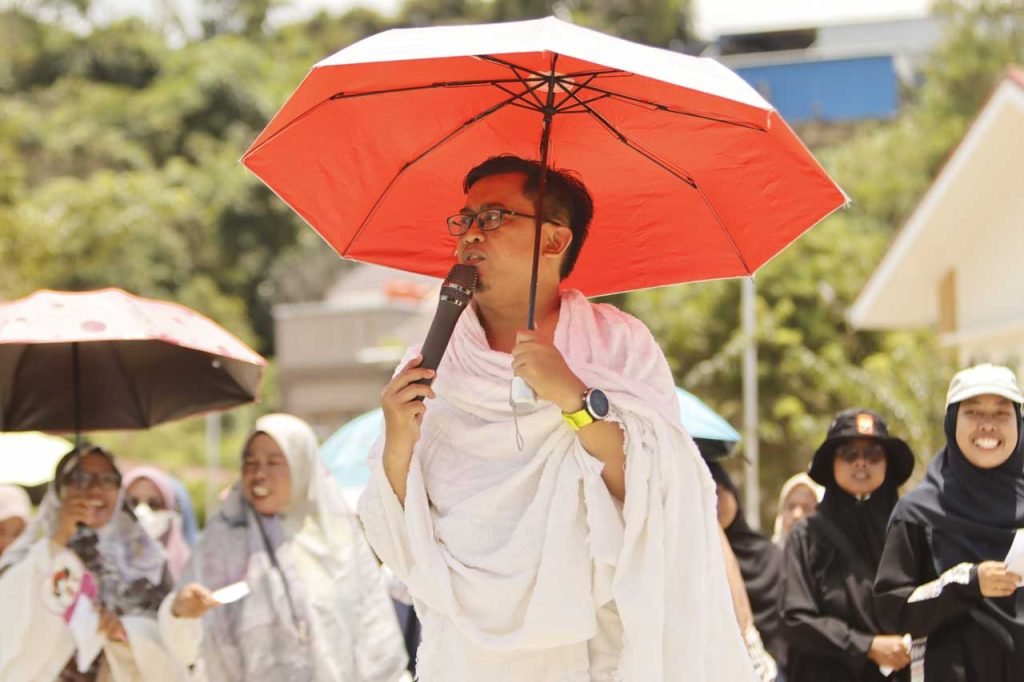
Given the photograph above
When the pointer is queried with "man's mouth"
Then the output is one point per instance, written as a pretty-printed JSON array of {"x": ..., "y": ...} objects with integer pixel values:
[
  {"x": 260, "y": 491},
  {"x": 97, "y": 504},
  {"x": 986, "y": 443},
  {"x": 472, "y": 258},
  {"x": 861, "y": 475}
]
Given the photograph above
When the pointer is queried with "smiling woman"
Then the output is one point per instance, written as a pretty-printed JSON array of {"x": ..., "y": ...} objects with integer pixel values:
[
  {"x": 943, "y": 577},
  {"x": 316, "y": 608},
  {"x": 83, "y": 514}
]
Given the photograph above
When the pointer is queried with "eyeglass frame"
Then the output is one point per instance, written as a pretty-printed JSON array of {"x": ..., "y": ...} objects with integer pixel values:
[
  {"x": 868, "y": 453},
  {"x": 475, "y": 218},
  {"x": 108, "y": 480}
]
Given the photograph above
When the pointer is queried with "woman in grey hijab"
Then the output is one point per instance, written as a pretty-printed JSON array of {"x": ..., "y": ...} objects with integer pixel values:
[{"x": 316, "y": 609}]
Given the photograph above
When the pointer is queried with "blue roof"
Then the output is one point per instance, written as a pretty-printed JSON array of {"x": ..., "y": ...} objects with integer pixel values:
[{"x": 831, "y": 90}]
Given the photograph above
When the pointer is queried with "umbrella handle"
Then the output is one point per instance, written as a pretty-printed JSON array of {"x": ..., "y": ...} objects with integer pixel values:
[{"x": 521, "y": 395}]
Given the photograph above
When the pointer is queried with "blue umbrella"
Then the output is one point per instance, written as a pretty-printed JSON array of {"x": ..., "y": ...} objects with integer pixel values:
[{"x": 346, "y": 450}]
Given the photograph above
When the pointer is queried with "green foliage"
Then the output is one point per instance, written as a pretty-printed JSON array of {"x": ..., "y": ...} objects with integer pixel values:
[
  {"x": 810, "y": 362},
  {"x": 119, "y": 167}
]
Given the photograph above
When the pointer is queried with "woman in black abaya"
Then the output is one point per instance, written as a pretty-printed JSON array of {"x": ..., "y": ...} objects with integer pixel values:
[
  {"x": 831, "y": 558},
  {"x": 942, "y": 577},
  {"x": 759, "y": 559}
]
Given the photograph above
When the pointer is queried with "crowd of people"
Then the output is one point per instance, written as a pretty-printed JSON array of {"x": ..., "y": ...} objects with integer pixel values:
[
  {"x": 855, "y": 584},
  {"x": 578, "y": 538},
  {"x": 860, "y": 585}
]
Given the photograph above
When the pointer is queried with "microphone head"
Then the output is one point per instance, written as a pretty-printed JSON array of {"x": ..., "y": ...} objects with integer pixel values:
[{"x": 460, "y": 284}]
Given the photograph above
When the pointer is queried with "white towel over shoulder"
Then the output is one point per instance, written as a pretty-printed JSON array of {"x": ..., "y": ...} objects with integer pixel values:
[{"x": 519, "y": 558}]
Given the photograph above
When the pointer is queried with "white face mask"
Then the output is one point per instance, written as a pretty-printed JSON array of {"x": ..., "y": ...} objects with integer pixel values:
[{"x": 155, "y": 523}]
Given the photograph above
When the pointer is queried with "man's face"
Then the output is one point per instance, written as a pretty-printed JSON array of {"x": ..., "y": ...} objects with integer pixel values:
[
  {"x": 266, "y": 477},
  {"x": 986, "y": 430},
  {"x": 504, "y": 257}
]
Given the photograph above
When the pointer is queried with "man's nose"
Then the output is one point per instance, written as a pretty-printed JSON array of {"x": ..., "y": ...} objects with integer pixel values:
[{"x": 473, "y": 234}]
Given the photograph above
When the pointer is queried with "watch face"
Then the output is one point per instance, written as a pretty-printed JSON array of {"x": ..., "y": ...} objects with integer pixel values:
[{"x": 597, "y": 403}]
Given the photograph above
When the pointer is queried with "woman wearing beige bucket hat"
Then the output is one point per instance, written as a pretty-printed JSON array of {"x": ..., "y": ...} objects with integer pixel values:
[{"x": 943, "y": 577}]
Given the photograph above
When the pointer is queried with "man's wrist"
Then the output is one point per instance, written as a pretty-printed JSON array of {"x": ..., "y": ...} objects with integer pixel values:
[{"x": 573, "y": 400}]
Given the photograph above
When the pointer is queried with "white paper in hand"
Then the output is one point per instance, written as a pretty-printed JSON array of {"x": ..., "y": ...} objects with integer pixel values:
[
  {"x": 908, "y": 642},
  {"x": 1015, "y": 557},
  {"x": 84, "y": 624},
  {"x": 231, "y": 593}
]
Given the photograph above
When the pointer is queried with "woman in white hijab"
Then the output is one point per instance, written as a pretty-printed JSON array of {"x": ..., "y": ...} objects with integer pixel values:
[
  {"x": 799, "y": 497},
  {"x": 83, "y": 556},
  {"x": 15, "y": 513},
  {"x": 317, "y": 609}
]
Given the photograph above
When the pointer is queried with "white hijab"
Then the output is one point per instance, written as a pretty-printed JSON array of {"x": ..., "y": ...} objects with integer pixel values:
[
  {"x": 128, "y": 555},
  {"x": 794, "y": 482},
  {"x": 314, "y": 612}
]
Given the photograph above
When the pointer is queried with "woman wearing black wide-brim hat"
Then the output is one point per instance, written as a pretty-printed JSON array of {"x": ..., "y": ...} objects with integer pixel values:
[{"x": 831, "y": 558}]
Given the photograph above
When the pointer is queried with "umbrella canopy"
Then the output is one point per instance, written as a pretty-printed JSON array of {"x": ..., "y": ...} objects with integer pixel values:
[
  {"x": 109, "y": 360},
  {"x": 694, "y": 175},
  {"x": 345, "y": 452},
  {"x": 29, "y": 459}
]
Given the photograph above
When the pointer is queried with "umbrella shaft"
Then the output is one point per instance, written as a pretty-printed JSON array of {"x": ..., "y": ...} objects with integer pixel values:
[{"x": 538, "y": 210}]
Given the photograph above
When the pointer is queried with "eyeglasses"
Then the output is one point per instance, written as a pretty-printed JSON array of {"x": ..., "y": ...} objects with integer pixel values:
[
  {"x": 873, "y": 453},
  {"x": 487, "y": 220},
  {"x": 83, "y": 480}
]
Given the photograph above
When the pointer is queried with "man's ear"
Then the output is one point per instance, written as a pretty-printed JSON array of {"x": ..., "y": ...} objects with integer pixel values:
[{"x": 557, "y": 241}]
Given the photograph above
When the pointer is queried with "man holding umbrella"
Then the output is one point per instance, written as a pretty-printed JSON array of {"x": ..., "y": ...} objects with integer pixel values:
[{"x": 572, "y": 540}]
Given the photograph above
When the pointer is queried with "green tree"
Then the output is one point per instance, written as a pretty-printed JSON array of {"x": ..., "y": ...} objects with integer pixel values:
[{"x": 811, "y": 363}]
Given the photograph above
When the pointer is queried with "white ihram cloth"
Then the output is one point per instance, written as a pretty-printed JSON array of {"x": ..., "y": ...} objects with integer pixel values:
[{"x": 518, "y": 559}]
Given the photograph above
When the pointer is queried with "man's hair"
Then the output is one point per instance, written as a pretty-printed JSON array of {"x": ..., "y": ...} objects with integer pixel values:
[{"x": 566, "y": 198}]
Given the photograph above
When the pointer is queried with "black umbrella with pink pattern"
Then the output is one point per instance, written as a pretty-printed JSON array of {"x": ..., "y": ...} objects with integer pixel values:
[{"x": 82, "y": 361}]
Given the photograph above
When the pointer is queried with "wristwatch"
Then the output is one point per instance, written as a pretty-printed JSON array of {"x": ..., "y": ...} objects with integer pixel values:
[{"x": 595, "y": 408}]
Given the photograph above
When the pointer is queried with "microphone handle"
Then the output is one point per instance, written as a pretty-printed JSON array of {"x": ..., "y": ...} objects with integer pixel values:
[{"x": 438, "y": 336}]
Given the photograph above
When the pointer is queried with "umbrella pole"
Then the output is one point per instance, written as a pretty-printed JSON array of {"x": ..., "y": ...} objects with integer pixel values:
[
  {"x": 521, "y": 393},
  {"x": 77, "y": 393},
  {"x": 538, "y": 205}
]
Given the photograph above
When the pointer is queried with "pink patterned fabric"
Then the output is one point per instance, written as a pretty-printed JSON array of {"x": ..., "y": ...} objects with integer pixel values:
[{"x": 115, "y": 315}]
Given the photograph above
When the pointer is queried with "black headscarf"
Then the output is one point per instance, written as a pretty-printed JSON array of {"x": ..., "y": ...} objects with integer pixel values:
[
  {"x": 863, "y": 522},
  {"x": 971, "y": 515},
  {"x": 760, "y": 562}
]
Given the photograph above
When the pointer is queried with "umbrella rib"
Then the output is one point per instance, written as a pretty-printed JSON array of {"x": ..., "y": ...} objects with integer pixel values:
[
  {"x": 677, "y": 173},
  {"x": 618, "y": 72},
  {"x": 353, "y": 95},
  {"x": 429, "y": 86},
  {"x": 561, "y": 76},
  {"x": 670, "y": 110},
  {"x": 408, "y": 164},
  {"x": 682, "y": 175}
]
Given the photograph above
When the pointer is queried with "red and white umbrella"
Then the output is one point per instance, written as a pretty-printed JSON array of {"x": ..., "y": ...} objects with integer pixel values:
[
  {"x": 694, "y": 174},
  {"x": 106, "y": 359}
]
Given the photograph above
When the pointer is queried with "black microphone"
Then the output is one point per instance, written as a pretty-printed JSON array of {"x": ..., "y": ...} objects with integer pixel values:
[{"x": 456, "y": 293}]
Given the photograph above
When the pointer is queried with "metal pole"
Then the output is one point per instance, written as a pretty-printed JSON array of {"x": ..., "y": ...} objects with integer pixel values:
[
  {"x": 751, "y": 450},
  {"x": 212, "y": 461}
]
